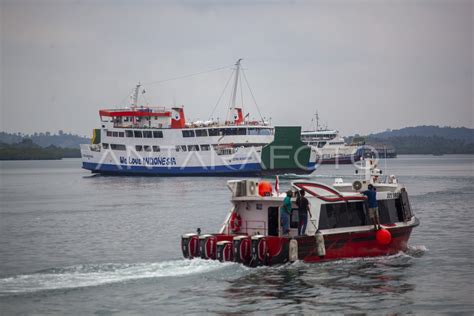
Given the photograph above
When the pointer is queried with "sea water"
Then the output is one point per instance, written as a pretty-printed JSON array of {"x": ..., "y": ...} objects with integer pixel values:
[{"x": 75, "y": 243}]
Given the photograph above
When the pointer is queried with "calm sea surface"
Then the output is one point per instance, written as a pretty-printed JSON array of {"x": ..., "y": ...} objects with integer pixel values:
[{"x": 80, "y": 244}]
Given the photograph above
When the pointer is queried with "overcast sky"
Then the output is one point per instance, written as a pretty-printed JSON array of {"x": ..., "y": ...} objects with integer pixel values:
[{"x": 365, "y": 66}]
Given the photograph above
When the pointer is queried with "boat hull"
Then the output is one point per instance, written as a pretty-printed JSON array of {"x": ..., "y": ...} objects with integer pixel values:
[
  {"x": 344, "y": 160},
  {"x": 251, "y": 170},
  {"x": 343, "y": 245}
]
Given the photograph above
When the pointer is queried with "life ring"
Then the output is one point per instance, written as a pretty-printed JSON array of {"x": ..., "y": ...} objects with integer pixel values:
[{"x": 235, "y": 222}]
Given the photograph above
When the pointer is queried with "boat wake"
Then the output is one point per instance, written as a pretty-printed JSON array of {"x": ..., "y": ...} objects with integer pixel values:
[{"x": 88, "y": 275}]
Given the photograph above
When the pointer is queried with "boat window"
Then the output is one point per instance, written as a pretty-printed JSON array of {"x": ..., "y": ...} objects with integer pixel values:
[
  {"x": 137, "y": 134},
  {"x": 157, "y": 134},
  {"x": 253, "y": 131},
  {"x": 336, "y": 215},
  {"x": 156, "y": 149},
  {"x": 205, "y": 147},
  {"x": 390, "y": 211},
  {"x": 193, "y": 147},
  {"x": 120, "y": 134},
  {"x": 117, "y": 147},
  {"x": 187, "y": 133},
  {"x": 109, "y": 133},
  {"x": 260, "y": 131},
  {"x": 183, "y": 147},
  {"x": 147, "y": 148},
  {"x": 138, "y": 148},
  {"x": 241, "y": 131},
  {"x": 115, "y": 134},
  {"x": 201, "y": 132},
  {"x": 147, "y": 134},
  {"x": 105, "y": 146},
  {"x": 129, "y": 133},
  {"x": 213, "y": 132},
  {"x": 321, "y": 144}
]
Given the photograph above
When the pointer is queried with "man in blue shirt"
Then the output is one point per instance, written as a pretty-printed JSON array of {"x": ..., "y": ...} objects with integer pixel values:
[{"x": 371, "y": 195}]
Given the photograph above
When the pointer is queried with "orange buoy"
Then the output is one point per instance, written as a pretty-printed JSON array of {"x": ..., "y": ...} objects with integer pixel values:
[
  {"x": 265, "y": 188},
  {"x": 383, "y": 237}
]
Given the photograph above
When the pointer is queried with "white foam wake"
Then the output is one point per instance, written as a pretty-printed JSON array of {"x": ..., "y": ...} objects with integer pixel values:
[{"x": 98, "y": 274}]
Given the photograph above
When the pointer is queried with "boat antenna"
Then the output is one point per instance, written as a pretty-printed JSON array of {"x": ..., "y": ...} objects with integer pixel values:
[
  {"x": 135, "y": 94},
  {"x": 236, "y": 82},
  {"x": 315, "y": 119}
]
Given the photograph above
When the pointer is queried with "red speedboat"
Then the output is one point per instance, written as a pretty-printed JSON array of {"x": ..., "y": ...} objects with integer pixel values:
[{"x": 338, "y": 228}]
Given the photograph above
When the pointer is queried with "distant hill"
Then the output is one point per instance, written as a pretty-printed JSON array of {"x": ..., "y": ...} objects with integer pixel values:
[
  {"x": 61, "y": 139},
  {"x": 425, "y": 140},
  {"x": 454, "y": 133}
]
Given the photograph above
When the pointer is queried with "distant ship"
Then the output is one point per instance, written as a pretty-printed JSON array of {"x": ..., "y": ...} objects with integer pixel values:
[
  {"x": 143, "y": 140},
  {"x": 329, "y": 147}
]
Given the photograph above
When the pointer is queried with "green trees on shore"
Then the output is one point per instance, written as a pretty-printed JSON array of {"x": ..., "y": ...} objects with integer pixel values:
[{"x": 27, "y": 150}]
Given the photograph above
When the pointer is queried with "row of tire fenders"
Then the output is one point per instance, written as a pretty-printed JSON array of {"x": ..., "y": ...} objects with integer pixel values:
[{"x": 248, "y": 250}]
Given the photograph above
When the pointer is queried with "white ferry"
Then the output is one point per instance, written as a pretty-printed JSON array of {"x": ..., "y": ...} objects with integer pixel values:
[
  {"x": 143, "y": 140},
  {"x": 330, "y": 147}
]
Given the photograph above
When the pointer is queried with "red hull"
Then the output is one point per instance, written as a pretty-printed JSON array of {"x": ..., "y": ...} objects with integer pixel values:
[
  {"x": 275, "y": 250},
  {"x": 353, "y": 245}
]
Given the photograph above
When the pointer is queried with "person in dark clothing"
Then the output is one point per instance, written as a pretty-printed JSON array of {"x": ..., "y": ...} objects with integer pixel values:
[
  {"x": 371, "y": 195},
  {"x": 303, "y": 210}
]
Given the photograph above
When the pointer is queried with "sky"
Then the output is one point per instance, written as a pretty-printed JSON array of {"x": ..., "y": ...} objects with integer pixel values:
[{"x": 364, "y": 66}]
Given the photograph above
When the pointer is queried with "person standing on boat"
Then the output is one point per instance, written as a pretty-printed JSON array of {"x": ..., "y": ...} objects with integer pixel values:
[
  {"x": 371, "y": 195},
  {"x": 285, "y": 213},
  {"x": 303, "y": 210}
]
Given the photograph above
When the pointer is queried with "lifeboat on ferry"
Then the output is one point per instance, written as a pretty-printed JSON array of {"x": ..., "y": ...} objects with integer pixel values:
[{"x": 338, "y": 226}]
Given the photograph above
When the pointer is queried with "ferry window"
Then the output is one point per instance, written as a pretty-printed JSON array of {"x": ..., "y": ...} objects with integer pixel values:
[
  {"x": 193, "y": 147},
  {"x": 253, "y": 131},
  {"x": 178, "y": 148},
  {"x": 157, "y": 134},
  {"x": 105, "y": 146},
  {"x": 321, "y": 144},
  {"x": 129, "y": 133},
  {"x": 213, "y": 132},
  {"x": 188, "y": 133},
  {"x": 147, "y": 148},
  {"x": 241, "y": 131},
  {"x": 156, "y": 149},
  {"x": 138, "y": 148},
  {"x": 205, "y": 147},
  {"x": 115, "y": 134},
  {"x": 183, "y": 148},
  {"x": 120, "y": 134},
  {"x": 117, "y": 147},
  {"x": 147, "y": 134},
  {"x": 137, "y": 134},
  {"x": 201, "y": 132},
  {"x": 265, "y": 131},
  {"x": 109, "y": 133}
]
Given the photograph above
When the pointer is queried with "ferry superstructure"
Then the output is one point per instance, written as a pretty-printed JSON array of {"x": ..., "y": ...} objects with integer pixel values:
[
  {"x": 330, "y": 147},
  {"x": 158, "y": 141}
]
